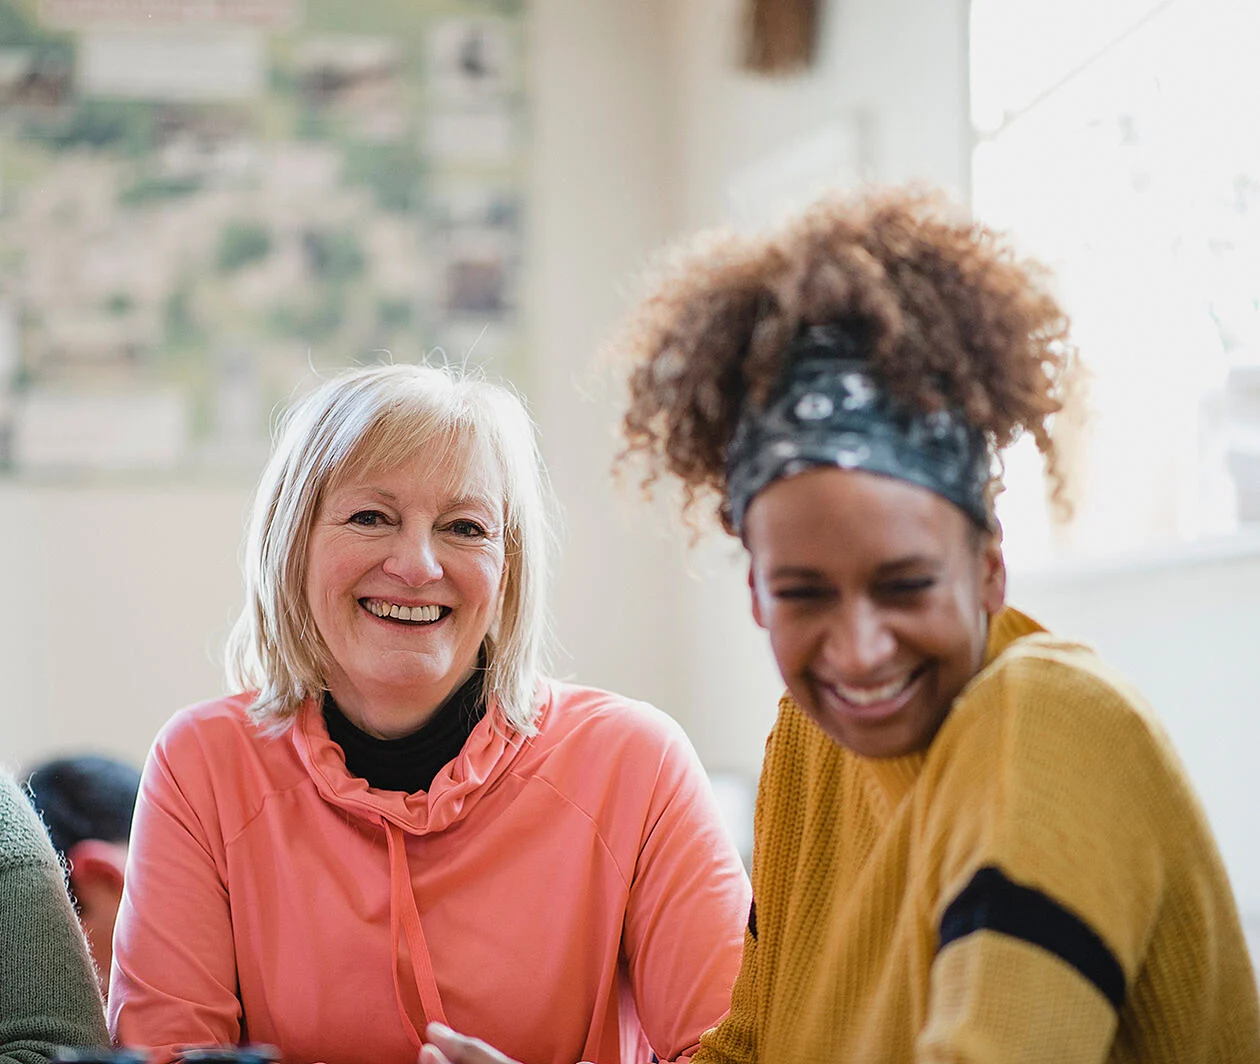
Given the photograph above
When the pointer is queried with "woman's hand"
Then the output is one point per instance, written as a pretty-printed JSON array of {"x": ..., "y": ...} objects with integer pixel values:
[{"x": 444, "y": 1046}]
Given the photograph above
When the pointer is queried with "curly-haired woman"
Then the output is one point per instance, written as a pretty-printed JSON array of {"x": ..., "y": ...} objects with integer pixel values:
[{"x": 974, "y": 842}]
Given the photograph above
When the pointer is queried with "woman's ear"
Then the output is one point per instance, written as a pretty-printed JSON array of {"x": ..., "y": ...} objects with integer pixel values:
[
  {"x": 992, "y": 574},
  {"x": 756, "y": 597}
]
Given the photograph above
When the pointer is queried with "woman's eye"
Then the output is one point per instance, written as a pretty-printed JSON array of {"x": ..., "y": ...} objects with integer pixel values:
[
  {"x": 367, "y": 518},
  {"x": 466, "y": 528},
  {"x": 805, "y": 593},
  {"x": 908, "y": 587}
]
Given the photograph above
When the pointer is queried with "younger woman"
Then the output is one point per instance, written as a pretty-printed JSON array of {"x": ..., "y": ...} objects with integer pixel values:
[{"x": 973, "y": 840}]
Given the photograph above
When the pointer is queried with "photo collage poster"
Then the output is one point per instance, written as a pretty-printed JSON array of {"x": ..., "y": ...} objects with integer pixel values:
[{"x": 207, "y": 205}]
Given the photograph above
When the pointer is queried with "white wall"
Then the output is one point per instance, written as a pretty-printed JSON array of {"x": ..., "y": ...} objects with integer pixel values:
[
  {"x": 599, "y": 160},
  {"x": 113, "y": 609}
]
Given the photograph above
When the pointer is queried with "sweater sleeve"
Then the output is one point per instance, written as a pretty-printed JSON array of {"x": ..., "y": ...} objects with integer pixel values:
[
  {"x": 174, "y": 974},
  {"x": 776, "y": 843},
  {"x": 1043, "y": 830},
  {"x": 48, "y": 994},
  {"x": 686, "y": 910}
]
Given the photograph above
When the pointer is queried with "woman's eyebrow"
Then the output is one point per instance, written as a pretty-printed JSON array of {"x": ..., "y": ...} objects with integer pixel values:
[
  {"x": 910, "y": 561},
  {"x": 794, "y": 572},
  {"x": 472, "y": 499}
]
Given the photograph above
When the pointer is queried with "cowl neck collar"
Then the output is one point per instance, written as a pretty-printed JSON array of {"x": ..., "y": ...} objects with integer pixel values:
[{"x": 454, "y": 792}]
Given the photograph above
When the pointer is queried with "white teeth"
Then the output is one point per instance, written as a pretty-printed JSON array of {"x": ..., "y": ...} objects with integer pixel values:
[
  {"x": 868, "y": 696},
  {"x": 402, "y": 613}
]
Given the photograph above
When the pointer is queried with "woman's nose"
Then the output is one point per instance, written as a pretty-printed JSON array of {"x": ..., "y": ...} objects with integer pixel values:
[
  {"x": 413, "y": 559},
  {"x": 860, "y": 642}
]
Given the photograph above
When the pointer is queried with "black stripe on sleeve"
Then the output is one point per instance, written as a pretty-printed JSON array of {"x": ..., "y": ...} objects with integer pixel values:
[{"x": 991, "y": 902}]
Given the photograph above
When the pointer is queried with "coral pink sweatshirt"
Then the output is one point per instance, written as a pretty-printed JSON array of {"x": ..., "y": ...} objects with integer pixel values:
[{"x": 571, "y": 896}]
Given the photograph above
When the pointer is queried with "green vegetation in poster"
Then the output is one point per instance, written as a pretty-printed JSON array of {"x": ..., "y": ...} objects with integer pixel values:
[
  {"x": 393, "y": 172},
  {"x": 334, "y": 256},
  {"x": 157, "y": 189},
  {"x": 393, "y": 314},
  {"x": 127, "y": 126},
  {"x": 242, "y": 243}
]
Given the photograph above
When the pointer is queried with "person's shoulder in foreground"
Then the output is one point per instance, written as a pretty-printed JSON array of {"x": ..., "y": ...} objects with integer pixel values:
[{"x": 48, "y": 996}]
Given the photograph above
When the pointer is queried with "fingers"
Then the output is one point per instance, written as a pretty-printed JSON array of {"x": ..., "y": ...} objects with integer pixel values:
[{"x": 444, "y": 1046}]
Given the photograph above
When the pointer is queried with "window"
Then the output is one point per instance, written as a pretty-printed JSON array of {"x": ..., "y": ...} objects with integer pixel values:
[{"x": 1117, "y": 143}]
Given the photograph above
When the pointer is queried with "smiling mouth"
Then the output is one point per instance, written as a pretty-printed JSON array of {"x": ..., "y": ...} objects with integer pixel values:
[
  {"x": 884, "y": 697},
  {"x": 392, "y": 611}
]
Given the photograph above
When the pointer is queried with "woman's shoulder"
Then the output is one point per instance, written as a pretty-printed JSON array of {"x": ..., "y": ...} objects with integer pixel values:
[
  {"x": 1042, "y": 672},
  {"x": 578, "y": 710},
  {"x": 1044, "y": 694},
  {"x": 217, "y": 720},
  {"x": 219, "y": 740}
]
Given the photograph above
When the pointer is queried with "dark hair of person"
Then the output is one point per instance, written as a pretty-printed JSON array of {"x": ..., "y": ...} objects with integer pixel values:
[
  {"x": 87, "y": 797},
  {"x": 944, "y": 312}
]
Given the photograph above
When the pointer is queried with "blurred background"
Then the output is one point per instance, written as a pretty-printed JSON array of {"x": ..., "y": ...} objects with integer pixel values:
[{"x": 206, "y": 204}]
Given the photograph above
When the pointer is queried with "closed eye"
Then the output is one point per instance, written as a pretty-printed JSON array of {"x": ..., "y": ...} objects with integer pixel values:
[
  {"x": 907, "y": 587},
  {"x": 801, "y": 593}
]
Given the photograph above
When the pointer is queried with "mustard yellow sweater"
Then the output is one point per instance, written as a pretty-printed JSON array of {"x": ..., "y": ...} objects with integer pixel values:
[{"x": 1039, "y": 885}]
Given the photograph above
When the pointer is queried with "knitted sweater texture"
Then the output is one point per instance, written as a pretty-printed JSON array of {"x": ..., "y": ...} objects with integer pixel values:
[
  {"x": 48, "y": 995},
  {"x": 1040, "y": 884}
]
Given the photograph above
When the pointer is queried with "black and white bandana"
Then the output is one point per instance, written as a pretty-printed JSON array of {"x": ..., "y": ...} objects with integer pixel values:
[{"x": 828, "y": 411}]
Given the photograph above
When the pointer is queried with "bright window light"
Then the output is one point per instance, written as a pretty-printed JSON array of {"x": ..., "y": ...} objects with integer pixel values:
[{"x": 1117, "y": 143}]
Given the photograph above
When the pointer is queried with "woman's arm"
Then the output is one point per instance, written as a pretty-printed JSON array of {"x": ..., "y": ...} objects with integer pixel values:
[
  {"x": 48, "y": 994},
  {"x": 1049, "y": 819},
  {"x": 174, "y": 975},
  {"x": 687, "y": 910}
]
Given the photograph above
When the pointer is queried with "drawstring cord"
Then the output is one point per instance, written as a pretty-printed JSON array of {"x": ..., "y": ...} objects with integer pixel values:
[{"x": 402, "y": 909}]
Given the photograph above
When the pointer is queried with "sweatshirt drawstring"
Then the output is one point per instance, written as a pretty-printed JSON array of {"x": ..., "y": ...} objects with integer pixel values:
[{"x": 403, "y": 910}]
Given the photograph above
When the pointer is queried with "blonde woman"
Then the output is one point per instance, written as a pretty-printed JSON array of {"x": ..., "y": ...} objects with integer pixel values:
[{"x": 400, "y": 821}]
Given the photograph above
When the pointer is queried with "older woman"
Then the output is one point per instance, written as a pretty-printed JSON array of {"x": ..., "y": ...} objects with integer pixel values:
[
  {"x": 399, "y": 822},
  {"x": 973, "y": 840}
]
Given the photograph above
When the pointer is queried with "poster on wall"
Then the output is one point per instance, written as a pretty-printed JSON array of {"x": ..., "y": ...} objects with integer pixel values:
[{"x": 207, "y": 204}]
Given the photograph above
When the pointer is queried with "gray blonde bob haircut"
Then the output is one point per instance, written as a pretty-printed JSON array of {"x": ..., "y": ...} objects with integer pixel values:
[{"x": 368, "y": 419}]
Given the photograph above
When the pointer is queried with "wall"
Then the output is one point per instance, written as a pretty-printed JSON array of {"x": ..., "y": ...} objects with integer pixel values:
[{"x": 114, "y": 604}]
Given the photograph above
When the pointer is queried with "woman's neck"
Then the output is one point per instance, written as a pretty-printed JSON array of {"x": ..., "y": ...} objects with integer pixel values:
[
  {"x": 388, "y": 713},
  {"x": 409, "y": 763}
]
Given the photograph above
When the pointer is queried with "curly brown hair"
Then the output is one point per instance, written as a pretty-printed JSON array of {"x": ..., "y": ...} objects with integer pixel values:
[{"x": 945, "y": 312}]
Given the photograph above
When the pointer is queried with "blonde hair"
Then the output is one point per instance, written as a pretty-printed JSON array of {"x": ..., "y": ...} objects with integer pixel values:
[{"x": 366, "y": 418}]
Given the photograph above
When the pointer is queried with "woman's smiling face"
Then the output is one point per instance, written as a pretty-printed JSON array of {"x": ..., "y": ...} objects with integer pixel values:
[
  {"x": 405, "y": 571},
  {"x": 876, "y": 595}
]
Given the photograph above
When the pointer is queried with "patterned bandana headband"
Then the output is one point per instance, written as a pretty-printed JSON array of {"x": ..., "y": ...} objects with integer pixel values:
[{"x": 827, "y": 410}]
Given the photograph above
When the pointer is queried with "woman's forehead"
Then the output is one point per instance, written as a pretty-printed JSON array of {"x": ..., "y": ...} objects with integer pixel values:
[
  {"x": 837, "y": 510},
  {"x": 463, "y": 470}
]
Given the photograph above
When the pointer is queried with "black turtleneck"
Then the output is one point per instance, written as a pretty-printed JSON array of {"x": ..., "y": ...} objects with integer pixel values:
[{"x": 411, "y": 762}]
